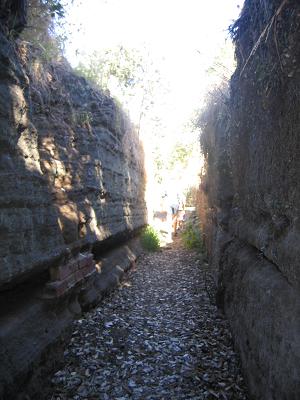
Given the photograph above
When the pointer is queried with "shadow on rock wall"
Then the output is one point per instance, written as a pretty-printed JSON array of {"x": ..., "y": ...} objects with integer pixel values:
[
  {"x": 73, "y": 173},
  {"x": 71, "y": 181},
  {"x": 250, "y": 198}
]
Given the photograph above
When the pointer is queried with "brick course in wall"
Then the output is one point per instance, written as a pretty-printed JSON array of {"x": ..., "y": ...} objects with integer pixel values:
[{"x": 65, "y": 277}]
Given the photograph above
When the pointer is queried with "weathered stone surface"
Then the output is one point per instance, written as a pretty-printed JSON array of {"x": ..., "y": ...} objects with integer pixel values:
[
  {"x": 71, "y": 183},
  {"x": 72, "y": 169},
  {"x": 252, "y": 197},
  {"x": 264, "y": 311}
]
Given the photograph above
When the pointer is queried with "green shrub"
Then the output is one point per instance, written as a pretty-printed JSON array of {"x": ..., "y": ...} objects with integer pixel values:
[
  {"x": 150, "y": 239},
  {"x": 191, "y": 237}
]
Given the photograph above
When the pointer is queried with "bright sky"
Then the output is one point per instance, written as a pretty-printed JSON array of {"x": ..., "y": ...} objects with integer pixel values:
[
  {"x": 165, "y": 25},
  {"x": 182, "y": 37},
  {"x": 187, "y": 34}
]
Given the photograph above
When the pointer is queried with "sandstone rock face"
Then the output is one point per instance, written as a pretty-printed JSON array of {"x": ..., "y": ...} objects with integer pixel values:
[
  {"x": 71, "y": 187},
  {"x": 71, "y": 168},
  {"x": 252, "y": 197}
]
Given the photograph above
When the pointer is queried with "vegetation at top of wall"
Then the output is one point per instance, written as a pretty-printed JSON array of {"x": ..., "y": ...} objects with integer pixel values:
[
  {"x": 267, "y": 46},
  {"x": 125, "y": 65},
  {"x": 40, "y": 49},
  {"x": 128, "y": 75},
  {"x": 44, "y": 17},
  {"x": 150, "y": 239}
]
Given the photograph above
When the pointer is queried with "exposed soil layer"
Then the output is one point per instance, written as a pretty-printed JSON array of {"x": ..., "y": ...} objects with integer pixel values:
[{"x": 157, "y": 337}]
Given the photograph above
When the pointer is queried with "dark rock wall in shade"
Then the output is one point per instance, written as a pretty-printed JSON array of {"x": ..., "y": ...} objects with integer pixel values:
[{"x": 250, "y": 199}]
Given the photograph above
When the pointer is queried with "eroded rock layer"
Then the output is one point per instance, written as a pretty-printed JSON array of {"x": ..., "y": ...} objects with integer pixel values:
[
  {"x": 71, "y": 168},
  {"x": 251, "y": 198},
  {"x": 71, "y": 186}
]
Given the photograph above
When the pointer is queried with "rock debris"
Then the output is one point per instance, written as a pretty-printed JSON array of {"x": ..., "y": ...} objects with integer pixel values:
[{"x": 157, "y": 337}]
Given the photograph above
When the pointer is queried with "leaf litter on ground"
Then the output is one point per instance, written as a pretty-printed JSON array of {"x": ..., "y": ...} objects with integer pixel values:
[{"x": 157, "y": 337}]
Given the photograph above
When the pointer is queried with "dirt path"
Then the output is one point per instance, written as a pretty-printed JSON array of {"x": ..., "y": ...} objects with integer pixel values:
[{"x": 157, "y": 337}]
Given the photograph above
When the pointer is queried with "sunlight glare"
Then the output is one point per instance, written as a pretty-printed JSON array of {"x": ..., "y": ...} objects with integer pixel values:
[{"x": 182, "y": 39}]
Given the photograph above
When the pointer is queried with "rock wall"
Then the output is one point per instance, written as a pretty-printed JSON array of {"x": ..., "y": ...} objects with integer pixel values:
[
  {"x": 71, "y": 168},
  {"x": 71, "y": 187},
  {"x": 250, "y": 198}
]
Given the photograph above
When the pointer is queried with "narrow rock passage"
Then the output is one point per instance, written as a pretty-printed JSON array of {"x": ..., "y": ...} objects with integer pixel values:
[{"x": 156, "y": 337}]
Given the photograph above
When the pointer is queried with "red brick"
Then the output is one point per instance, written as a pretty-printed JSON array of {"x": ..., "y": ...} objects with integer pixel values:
[
  {"x": 85, "y": 259},
  {"x": 92, "y": 268},
  {"x": 57, "y": 288},
  {"x": 66, "y": 276},
  {"x": 79, "y": 275},
  {"x": 88, "y": 269},
  {"x": 63, "y": 271},
  {"x": 73, "y": 265},
  {"x": 59, "y": 273},
  {"x": 71, "y": 280}
]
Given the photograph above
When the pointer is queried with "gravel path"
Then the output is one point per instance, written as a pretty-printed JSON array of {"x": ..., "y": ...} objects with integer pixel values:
[{"x": 156, "y": 337}]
